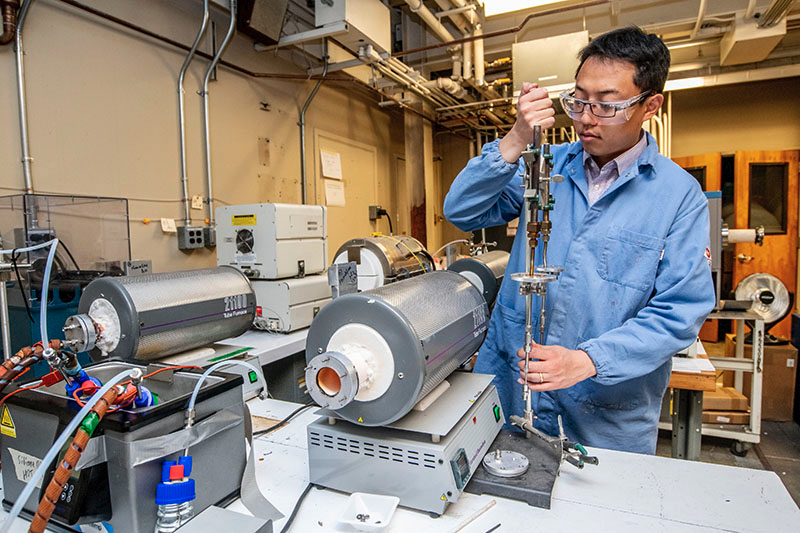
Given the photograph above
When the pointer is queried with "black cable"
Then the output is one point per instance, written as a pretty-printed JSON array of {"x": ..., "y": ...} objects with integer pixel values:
[
  {"x": 297, "y": 505},
  {"x": 282, "y": 422},
  {"x": 391, "y": 231},
  {"x": 14, "y": 258},
  {"x": 72, "y": 257}
]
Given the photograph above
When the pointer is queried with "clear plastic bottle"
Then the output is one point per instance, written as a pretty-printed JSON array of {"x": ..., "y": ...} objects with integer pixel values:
[{"x": 171, "y": 516}]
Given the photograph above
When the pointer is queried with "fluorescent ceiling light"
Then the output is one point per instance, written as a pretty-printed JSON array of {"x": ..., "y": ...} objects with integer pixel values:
[
  {"x": 684, "y": 83},
  {"x": 497, "y": 7}
]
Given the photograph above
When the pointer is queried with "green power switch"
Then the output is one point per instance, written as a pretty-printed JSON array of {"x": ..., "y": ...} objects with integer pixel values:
[
  {"x": 496, "y": 411},
  {"x": 253, "y": 376}
]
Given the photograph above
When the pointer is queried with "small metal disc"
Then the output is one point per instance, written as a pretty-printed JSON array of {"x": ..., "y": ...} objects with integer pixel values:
[
  {"x": 552, "y": 270},
  {"x": 535, "y": 279},
  {"x": 505, "y": 463}
]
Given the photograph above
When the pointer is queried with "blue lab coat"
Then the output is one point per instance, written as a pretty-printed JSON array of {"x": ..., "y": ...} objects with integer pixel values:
[{"x": 635, "y": 289}]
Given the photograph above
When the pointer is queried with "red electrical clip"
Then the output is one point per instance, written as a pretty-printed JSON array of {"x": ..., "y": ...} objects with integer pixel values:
[{"x": 52, "y": 378}]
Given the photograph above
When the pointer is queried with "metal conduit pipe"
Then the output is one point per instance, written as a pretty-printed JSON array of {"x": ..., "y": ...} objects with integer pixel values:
[
  {"x": 479, "y": 66},
  {"x": 181, "y": 114},
  {"x": 430, "y": 19},
  {"x": 206, "y": 133},
  {"x": 23, "y": 104},
  {"x": 302, "y": 124},
  {"x": 9, "y": 10},
  {"x": 237, "y": 68}
]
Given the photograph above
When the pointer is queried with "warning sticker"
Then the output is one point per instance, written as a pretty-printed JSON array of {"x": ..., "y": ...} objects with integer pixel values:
[
  {"x": 243, "y": 220},
  {"x": 360, "y": 419},
  {"x": 444, "y": 497},
  {"x": 25, "y": 466},
  {"x": 7, "y": 424}
]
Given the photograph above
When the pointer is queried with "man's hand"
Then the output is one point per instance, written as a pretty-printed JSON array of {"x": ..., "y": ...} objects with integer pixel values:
[
  {"x": 534, "y": 107},
  {"x": 555, "y": 367}
]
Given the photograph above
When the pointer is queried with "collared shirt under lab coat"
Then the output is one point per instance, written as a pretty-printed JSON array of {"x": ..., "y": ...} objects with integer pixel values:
[{"x": 635, "y": 289}]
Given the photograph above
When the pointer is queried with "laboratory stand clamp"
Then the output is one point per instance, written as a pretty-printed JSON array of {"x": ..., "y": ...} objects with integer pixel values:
[{"x": 507, "y": 469}]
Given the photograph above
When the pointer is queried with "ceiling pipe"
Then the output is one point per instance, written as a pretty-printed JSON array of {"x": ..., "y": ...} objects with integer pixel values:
[
  {"x": 23, "y": 104},
  {"x": 701, "y": 13},
  {"x": 9, "y": 10},
  {"x": 206, "y": 133},
  {"x": 479, "y": 65},
  {"x": 446, "y": 84},
  {"x": 430, "y": 19},
  {"x": 181, "y": 114},
  {"x": 774, "y": 13},
  {"x": 751, "y": 10},
  {"x": 302, "y": 124},
  {"x": 466, "y": 67}
]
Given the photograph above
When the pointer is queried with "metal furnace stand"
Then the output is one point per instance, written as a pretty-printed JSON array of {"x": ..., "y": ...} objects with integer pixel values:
[{"x": 534, "y": 487}]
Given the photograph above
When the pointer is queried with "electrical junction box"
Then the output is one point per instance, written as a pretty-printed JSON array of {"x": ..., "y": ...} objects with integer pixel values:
[
  {"x": 368, "y": 22},
  {"x": 190, "y": 237},
  {"x": 273, "y": 241},
  {"x": 747, "y": 43},
  {"x": 289, "y": 304}
]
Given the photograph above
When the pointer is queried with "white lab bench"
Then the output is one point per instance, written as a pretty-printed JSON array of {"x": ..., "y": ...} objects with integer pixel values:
[
  {"x": 626, "y": 492},
  {"x": 268, "y": 347}
]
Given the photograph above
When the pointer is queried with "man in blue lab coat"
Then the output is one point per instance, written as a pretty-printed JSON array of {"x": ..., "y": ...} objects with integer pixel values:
[{"x": 631, "y": 230}]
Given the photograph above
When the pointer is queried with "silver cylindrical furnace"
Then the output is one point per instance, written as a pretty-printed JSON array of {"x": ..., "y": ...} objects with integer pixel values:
[
  {"x": 485, "y": 271},
  {"x": 373, "y": 355},
  {"x": 155, "y": 315}
]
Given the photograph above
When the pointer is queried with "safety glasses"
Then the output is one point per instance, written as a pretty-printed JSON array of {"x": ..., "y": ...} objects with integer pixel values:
[{"x": 609, "y": 112}]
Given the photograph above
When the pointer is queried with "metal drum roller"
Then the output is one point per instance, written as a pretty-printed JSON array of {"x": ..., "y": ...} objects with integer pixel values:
[
  {"x": 485, "y": 271},
  {"x": 151, "y": 316},
  {"x": 385, "y": 258},
  {"x": 373, "y": 355}
]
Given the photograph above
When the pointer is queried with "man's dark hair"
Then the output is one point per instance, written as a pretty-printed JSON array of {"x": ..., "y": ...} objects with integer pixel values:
[{"x": 645, "y": 51}]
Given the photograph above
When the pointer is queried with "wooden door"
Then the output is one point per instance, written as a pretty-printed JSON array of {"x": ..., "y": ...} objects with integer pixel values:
[
  {"x": 707, "y": 170},
  {"x": 765, "y": 193}
]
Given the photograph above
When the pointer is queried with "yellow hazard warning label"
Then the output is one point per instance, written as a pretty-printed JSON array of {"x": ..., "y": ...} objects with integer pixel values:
[
  {"x": 360, "y": 419},
  {"x": 243, "y": 220},
  {"x": 7, "y": 424},
  {"x": 444, "y": 497}
]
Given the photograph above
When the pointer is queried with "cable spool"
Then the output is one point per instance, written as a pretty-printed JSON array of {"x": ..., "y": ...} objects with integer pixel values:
[
  {"x": 385, "y": 258},
  {"x": 155, "y": 315},
  {"x": 373, "y": 355},
  {"x": 770, "y": 298},
  {"x": 485, "y": 271}
]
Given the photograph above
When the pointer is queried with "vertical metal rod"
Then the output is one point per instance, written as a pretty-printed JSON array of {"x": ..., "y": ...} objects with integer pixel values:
[
  {"x": 302, "y": 124},
  {"x": 181, "y": 113},
  {"x": 23, "y": 104},
  {"x": 5, "y": 323},
  {"x": 206, "y": 129}
]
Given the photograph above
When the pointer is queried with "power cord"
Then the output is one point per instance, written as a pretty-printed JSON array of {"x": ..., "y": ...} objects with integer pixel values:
[
  {"x": 284, "y": 421},
  {"x": 297, "y": 505}
]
